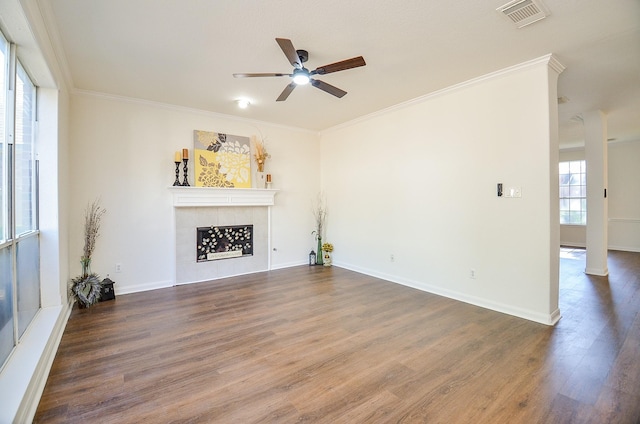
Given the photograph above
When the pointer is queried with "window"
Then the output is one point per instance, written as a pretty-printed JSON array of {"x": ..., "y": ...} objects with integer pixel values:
[
  {"x": 6, "y": 249},
  {"x": 24, "y": 153},
  {"x": 573, "y": 192},
  {"x": 4, "y": 64},
  {"x": 19, "y": 235}
]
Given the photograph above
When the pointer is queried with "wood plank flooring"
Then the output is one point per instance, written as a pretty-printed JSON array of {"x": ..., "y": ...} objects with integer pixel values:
[{"x": 327, "y": 345}]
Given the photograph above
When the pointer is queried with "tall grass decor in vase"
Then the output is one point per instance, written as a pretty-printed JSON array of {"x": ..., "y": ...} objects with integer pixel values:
[
  {"x": 87, "y": 287},
  {"x": 261, "y": 155},
  {"x": 320, "y": 214}
]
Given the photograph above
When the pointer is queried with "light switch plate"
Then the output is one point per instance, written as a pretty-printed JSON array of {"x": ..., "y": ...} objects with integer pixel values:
[{"x": 513, "y": 192}]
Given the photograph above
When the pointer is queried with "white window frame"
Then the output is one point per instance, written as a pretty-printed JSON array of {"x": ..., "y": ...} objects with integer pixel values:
[{"x": 573, "y": 192}]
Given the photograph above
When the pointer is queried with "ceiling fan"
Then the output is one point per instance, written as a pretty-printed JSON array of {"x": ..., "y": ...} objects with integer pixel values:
[{"x": 302, "y": 75}]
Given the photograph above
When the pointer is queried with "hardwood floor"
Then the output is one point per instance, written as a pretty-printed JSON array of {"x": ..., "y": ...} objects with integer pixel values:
[{"x": 327, "y": 345}]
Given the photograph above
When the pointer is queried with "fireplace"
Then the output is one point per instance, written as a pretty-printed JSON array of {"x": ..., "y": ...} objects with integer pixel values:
[{"x": 236, "y": 214}]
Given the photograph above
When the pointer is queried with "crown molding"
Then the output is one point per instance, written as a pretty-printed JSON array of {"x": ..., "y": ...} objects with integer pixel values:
[
  {"x": 168, "y": 106},
  {"x": 547, "y": 59}
]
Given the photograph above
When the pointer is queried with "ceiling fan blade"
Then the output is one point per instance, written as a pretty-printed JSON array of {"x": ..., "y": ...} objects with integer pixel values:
[
  {"x": 287, "y": 47},
  {"x": 260, "y": 75},
  {"x": 354, "y": 62},
  {"x": 328, "y": 88},
  {"x": 285, "y": 93}
]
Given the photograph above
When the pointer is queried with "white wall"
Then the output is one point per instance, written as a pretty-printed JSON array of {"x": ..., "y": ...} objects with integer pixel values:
[
  {"x": 122, "y": 152},
  {"x": 419, "y": 182},
  {"x": 624, "y": 198}
]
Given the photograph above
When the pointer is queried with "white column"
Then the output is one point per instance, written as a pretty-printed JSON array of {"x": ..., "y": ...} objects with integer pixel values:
[
  {"x": 555, "y": 69},
  {"x": 595, "y": 136}
]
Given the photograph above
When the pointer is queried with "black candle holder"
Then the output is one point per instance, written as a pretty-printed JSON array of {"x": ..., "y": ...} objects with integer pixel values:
[
  {"x": 177, "y": 181},
  {"x": 185, "y": 183}
]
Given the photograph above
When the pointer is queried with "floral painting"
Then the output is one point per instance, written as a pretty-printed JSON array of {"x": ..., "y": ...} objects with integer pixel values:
[{"x": 222, "y": 160}]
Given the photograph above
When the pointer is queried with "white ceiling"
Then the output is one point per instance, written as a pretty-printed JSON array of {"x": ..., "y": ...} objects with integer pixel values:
[{"x": 185, "y": 52}]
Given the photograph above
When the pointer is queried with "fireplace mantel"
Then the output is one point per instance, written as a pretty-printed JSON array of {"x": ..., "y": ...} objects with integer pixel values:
[{"x": 216, "y": 197}]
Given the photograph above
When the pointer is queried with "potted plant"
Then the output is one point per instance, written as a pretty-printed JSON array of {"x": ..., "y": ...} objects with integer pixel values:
[
  {"x": 87, "y": 288},
  {"x": 327, "y": 248}
]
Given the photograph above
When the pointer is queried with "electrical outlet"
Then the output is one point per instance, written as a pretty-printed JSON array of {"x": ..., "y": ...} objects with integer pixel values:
[
  {"x": 118, "y": 267},
  {"x": 472, "y": 273}
]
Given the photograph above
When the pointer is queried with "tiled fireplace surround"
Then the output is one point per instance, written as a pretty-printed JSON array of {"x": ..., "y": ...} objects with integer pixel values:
[{"x": 202, "y": 207}]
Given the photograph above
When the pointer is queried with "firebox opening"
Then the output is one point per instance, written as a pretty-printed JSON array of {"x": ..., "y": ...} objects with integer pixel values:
[{"x": 224, "y": 242}]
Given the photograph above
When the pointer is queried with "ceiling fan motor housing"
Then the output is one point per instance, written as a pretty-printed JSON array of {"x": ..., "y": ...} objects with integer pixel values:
[{"x": 303, "y": 55}]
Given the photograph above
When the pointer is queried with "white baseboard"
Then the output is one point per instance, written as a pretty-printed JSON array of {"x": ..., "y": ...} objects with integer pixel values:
[
  {"x": 600, "y": 272},
  {"x": 547, "y": 319},
  {"x": 288, "y": 265},
  {"x": 142, "y": 287},
  {"x": 555, "y": 317}
]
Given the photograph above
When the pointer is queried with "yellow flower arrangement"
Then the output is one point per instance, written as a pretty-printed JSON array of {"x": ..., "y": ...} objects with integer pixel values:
[
  {"x": 327, "y": 247},
  {"x": 260, "y": 154}
]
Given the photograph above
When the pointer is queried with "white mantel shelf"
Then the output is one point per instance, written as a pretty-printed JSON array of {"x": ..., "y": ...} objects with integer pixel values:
[{"x": 216, "y": 197}]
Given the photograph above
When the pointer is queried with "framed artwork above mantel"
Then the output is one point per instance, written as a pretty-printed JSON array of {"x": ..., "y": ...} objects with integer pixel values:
[{"x": 221, "y": 160}]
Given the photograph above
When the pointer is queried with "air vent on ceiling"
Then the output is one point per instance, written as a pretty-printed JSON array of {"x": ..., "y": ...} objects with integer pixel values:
[{"x": 524, "y": 12}]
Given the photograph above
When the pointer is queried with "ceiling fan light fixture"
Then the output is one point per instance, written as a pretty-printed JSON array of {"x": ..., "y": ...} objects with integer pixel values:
[{"x": 301, "y": 77}]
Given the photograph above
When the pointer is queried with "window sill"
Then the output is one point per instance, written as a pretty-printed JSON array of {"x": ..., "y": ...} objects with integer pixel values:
[{"x": 25, "y": 374}]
